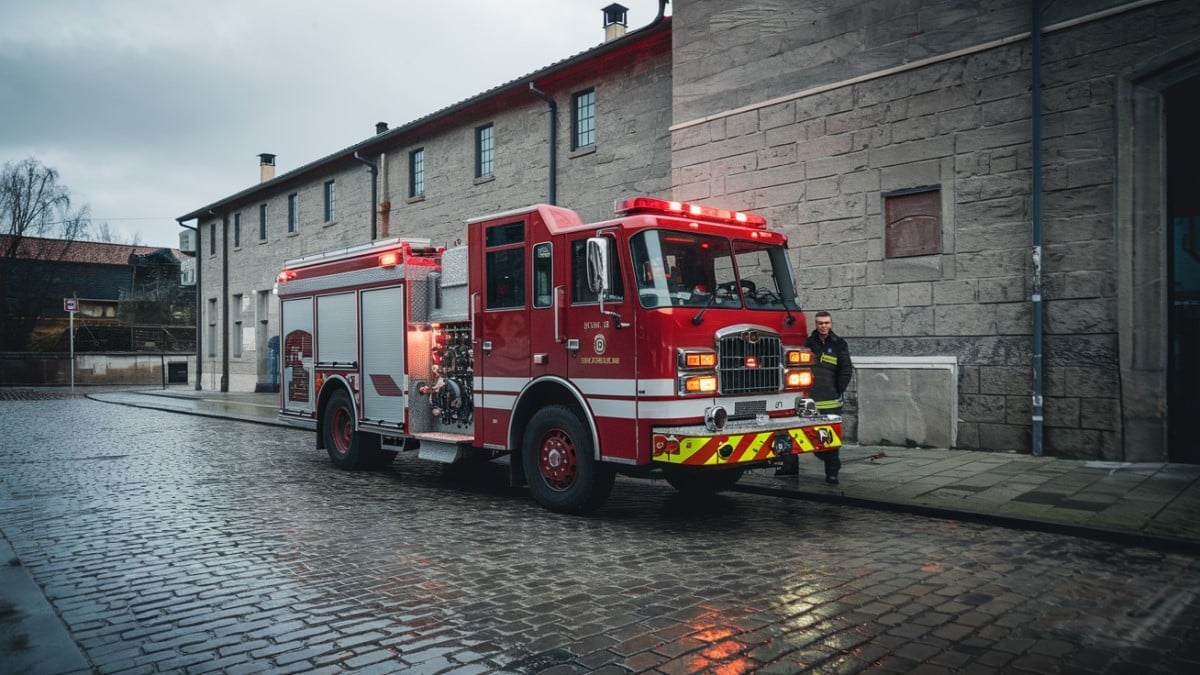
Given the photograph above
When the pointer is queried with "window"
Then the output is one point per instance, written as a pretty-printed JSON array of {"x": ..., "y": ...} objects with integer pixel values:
[
  {"x": 212, "y": 239},
  {"x": 291, "y": 224},
  {"x": 503, "y": 235},
  {"x": 912, "y": 222},
  {"x": 262, "y": 222},
  {"x": 237, "y": 230},
  {"x": 237, "y": 326},
  {"x": 505, "y": 266},
  {"x": 212, "y": 327},
  {"x": 484, "y": 145},
  {"x": 416, "y": 173},
  {"x": 330, "y": 198},
  {"x": 543, "y": 275},
  {"x": 583, "y": 121}
]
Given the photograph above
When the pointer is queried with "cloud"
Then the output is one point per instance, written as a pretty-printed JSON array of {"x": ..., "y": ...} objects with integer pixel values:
[{"x": 151, "y": 109}]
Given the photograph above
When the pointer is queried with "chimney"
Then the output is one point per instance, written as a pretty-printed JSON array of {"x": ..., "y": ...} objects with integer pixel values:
[
  {"x": 266, "y": 167},
  {"x": 614, "y": 21},
  {"x": 380, "y": 127}
]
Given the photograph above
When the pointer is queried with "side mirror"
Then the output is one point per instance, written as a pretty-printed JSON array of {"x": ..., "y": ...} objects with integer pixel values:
[{"x": 597, "y": 265}]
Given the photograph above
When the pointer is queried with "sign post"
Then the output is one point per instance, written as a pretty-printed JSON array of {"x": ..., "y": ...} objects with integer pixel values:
[{"x": 70, "y": 306}]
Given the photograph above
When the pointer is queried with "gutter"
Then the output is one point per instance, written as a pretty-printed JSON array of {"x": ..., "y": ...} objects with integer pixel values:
[
  {"x": 199, "y": 361},
  {"x": 552, "y": 188},
  {"x": 1035, "y": 48},
  {"x": 374, "y": 195},
  {"x": 224, "y": 299}
]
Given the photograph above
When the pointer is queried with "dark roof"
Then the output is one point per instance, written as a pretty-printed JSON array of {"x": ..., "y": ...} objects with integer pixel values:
[
  {"x": 86, "y": 252},
  {"x": 630, "y": 41}
]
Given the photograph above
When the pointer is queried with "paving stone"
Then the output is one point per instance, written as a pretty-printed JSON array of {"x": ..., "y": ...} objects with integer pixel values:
[{"x": 241, "y": 544}]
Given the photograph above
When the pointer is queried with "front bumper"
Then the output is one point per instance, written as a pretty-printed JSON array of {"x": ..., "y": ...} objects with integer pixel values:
[{"x": 745, "y": 442}]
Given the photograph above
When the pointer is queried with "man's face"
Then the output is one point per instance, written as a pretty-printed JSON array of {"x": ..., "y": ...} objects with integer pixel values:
[{"x": 824, "y": 325}]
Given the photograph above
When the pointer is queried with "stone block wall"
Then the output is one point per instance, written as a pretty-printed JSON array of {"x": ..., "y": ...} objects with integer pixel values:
[{"x": 811, "y": 114}]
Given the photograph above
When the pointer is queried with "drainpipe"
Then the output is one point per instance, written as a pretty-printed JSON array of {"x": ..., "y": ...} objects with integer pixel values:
[
  {"x": 198, "y": 318},
  {"x": 552, "y": 189},
  {"x": 224, "y": 299},
  {"x": 374, "y": 198},
  {"x": 1036, "y": 114}
]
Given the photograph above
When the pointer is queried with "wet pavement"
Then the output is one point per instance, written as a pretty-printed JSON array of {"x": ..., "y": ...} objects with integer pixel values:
[
  {"x": 1144, "y": 504},
  {"x": 175, "y": 543}
]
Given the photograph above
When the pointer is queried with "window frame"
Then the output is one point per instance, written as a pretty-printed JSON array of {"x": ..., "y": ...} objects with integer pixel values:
[
  {"x": 505, "y": 251},
  {"x": 578, "y": 108},
  {"x": 912, "y": 229},
  {"x": 416, "y": 173},
  {"x": 329, "y": 193},
  {"x": 293, "y": 202},
  {"x": 543, "y": 275},
  {"x": 485, "y": 156}
]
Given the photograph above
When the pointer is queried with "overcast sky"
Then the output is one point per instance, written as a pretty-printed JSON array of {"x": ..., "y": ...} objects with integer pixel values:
[{"x": 149, "y": 109}]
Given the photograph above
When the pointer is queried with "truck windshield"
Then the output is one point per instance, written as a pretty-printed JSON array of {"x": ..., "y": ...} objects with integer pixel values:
[{"x": 682, "y": 269}]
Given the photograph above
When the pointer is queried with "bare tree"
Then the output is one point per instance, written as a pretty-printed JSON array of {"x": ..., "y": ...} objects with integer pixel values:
[
  {"x": 104, "y": 233},
  {"x": 37, "y": 228}
]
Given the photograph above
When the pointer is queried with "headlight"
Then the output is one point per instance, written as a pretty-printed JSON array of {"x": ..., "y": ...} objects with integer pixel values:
[
  {"x": 698, "y": 384},
  {"x": 798, "y": 378},
  {"x": 694, "y": 359}
]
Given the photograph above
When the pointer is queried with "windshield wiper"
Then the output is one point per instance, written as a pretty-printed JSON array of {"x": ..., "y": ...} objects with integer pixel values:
[{"x": 712, "y": 297}]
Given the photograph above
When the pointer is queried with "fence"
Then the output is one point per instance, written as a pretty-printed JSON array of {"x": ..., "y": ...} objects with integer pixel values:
[
  {"x": 54, "y": 369},
  {"x": 132, "y": 338}
]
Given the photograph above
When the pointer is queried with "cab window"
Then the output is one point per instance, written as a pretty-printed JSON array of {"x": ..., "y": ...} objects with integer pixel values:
[{"x": 505, "y": 262}]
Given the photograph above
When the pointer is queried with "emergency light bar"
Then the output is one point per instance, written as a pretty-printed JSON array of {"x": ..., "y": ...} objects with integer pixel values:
[{"x": 662, "y": 206}]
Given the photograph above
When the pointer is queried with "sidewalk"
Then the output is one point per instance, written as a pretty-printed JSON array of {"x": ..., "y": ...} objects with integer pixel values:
[{"x": 1156, "y": 505}]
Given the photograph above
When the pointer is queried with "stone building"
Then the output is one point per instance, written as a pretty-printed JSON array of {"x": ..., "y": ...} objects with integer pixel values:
[
  {"x": 1007, "y": 280},
  {"x": 936, "y": 216}
]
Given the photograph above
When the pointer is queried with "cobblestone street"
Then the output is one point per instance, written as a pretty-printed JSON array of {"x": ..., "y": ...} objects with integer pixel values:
[{"x": 171, "y": 543}]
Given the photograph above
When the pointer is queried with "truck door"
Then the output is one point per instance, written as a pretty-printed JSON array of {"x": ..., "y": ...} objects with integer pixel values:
[
  {"x": 499, "y": 274},
  {"x": 602, "y": 356}
]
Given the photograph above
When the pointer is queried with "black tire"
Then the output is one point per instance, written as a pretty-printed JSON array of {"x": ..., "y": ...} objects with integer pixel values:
[
  {"x": 560, "y": 463},
  {"x": 348, "y": 448},
  {"x": 702, "y": 482}
]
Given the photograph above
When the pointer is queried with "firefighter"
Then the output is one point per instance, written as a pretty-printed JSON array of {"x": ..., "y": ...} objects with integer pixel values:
[{"x": 831, "y": 376}]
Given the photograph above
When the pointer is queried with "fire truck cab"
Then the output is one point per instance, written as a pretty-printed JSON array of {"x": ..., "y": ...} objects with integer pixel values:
[{"x": 666, "y": 342}]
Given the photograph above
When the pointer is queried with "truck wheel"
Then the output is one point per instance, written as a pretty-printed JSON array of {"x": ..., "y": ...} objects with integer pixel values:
[
  {"x": 692, "y": 482},
  {"x": 560, "y": 463},
  {"x": 346, "y": 447}
]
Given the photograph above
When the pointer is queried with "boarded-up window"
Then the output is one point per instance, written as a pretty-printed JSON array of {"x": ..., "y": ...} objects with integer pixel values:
[{"x": 912, "y": 222}]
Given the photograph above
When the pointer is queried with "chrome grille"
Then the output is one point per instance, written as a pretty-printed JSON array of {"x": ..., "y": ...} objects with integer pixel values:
[
  {"x": 738, "y": 348},
  {"x": 749, "y": 408}
]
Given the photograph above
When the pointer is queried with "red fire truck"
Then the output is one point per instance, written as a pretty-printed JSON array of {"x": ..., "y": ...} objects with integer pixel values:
[{"x": 666, "y": 342}]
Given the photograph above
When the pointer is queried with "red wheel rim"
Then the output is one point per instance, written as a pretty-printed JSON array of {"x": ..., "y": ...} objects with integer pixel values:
[
  {"x": 556, "y": 459},
  {"x": 342, "y": 429}
]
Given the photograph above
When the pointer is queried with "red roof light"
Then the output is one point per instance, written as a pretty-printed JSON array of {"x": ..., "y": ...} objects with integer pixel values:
[{"x": 662, "y": 206}]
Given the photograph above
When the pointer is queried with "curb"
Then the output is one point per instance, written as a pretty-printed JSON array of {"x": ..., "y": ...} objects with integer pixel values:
[{"x": 1122, "y": 538}]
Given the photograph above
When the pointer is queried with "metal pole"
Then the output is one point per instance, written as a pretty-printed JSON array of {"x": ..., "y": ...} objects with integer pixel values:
[
  {"x": 72, "y": 329},
  {"x": 1036, "y": 114}
]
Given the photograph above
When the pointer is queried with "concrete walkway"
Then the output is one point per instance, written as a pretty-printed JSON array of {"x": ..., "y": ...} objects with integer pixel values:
[{"x": 1156, "y": 505}]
